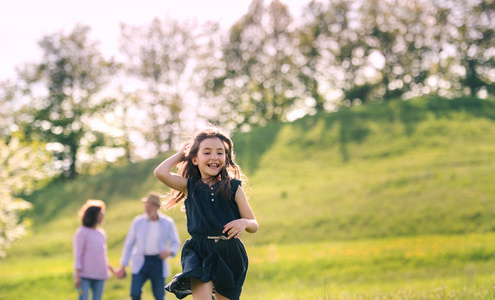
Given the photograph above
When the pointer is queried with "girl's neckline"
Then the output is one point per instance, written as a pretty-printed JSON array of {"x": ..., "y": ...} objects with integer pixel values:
[{"x": 208, "y": 184}]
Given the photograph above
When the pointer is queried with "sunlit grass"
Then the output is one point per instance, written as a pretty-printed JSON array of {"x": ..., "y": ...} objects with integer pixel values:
[
  {"x": 413, "y": 267},
  {"x": 421, "y": 267}
]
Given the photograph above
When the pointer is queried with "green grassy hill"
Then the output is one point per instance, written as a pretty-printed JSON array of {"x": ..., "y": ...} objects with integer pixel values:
[{"x": 394, "y": 170}]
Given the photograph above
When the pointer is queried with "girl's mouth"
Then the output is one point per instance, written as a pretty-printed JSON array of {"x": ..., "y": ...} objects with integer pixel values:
[{"x": 214, "y": 165}]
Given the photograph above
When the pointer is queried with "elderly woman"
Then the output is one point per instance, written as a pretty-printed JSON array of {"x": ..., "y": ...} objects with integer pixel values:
[{"x": 91, "y": 267}]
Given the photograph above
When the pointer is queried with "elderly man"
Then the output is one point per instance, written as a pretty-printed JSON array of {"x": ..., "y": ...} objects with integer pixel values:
[{"x": 151, "y": 239}]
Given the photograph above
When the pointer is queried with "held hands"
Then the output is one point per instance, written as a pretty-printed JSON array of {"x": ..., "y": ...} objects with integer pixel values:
[
  {"x": 234, "y": 228},
  {"x": 120, "y": 272}
]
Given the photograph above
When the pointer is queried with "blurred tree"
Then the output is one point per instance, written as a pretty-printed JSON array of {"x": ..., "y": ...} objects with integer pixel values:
[
  {"x": 258, "y": 80},
  {"x": 327, "y": 40},
  {"x": 160, "y": 56},
  {"x": 405, "y": 34},
  {"x": 309, "y": 37},
  {"x": 347, "y": 45},
  {"x": 340, "y": 64},
  {"x": 470, "y": 30},
  {"x": 120, "y": 118},
  {"x": 209, "y": 107},
  {"x": 21, "y": 170},
  {"x": 60, "y": 94},
  {"x": 126, "y": 125},
  {"x": 383, "y": 32},
  {"x": 370, "y": 51},
  {"x": 8, "y": 92}
]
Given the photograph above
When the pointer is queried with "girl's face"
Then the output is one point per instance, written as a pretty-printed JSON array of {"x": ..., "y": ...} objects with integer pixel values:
[{"x": 211, "y": 157}]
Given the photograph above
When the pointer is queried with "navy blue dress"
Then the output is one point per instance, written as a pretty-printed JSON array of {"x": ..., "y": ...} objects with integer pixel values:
[{"x": 224, "y": 262}]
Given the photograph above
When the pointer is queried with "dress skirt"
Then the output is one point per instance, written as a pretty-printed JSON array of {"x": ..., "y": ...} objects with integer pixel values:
[{"x": 225, "y": 262}]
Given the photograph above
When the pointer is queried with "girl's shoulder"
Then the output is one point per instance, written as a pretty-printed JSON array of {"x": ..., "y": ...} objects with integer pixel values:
[
  {"x": 236, "y": 181},
  {"x": 235, "y": 184}
]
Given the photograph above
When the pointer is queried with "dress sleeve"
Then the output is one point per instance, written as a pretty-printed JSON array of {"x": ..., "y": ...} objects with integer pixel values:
[{"x": 234, "y": 185}]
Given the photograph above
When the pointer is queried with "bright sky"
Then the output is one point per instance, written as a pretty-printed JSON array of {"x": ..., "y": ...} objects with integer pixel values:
[{"x": 24, "y": 22}]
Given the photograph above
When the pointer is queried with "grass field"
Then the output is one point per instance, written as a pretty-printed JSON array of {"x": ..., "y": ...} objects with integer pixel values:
[
  {"x": 426, "y": 267},
  {"x": 384, "y": 201}
]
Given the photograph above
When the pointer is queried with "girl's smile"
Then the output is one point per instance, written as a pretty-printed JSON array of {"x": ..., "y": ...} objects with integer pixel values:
[{"x": 211, "y": 157}]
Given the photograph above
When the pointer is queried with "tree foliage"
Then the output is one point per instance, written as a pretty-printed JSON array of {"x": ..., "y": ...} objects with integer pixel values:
[
  {"x": 21, "y": 170},
  {"x": 268, "y": 67},
  {"x": 468, "y": 32},
  {"x": 258, "y": 80},
  {"x": 158, "y": 58},
  {"x": 345, "y": 52},
  {"x": 60, "y": 95}
]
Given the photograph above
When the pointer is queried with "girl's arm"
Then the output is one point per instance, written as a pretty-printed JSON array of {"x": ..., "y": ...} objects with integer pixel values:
[
  {"x": 247, "y": 222},
  {"x": 164, "y": 174}
]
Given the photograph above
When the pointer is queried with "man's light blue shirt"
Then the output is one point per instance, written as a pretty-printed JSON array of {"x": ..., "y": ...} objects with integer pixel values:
[{"x": 135, "y": 242}]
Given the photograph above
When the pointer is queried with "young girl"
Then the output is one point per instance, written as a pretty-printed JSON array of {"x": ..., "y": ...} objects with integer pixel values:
[
  {"x": 91, "y": 267},
  {"x": 217, "y": 212}
]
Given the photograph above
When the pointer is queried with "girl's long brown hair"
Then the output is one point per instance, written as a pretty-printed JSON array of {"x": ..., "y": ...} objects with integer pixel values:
[{"x": 187, "y": 169}]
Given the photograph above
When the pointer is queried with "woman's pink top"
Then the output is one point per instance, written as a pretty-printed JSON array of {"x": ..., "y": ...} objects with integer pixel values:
[{"x": 90, "y": 253}]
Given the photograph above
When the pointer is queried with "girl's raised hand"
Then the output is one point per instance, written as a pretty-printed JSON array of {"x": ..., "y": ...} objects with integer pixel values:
[{"x": 184, "y": 149}]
